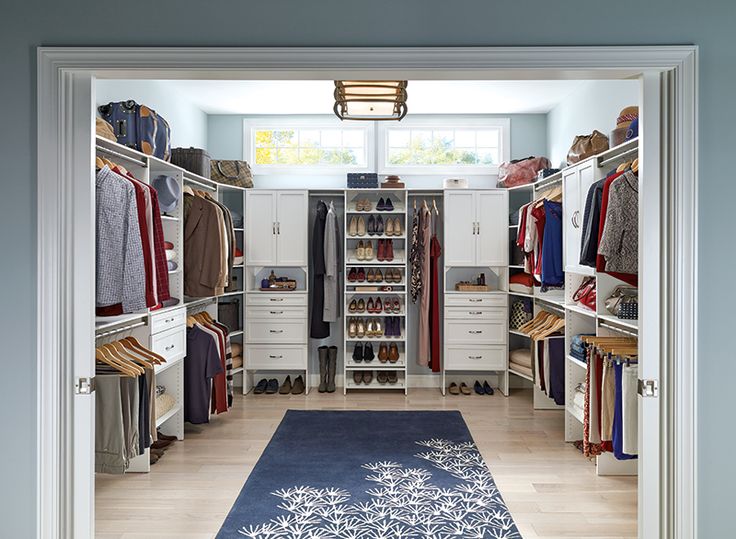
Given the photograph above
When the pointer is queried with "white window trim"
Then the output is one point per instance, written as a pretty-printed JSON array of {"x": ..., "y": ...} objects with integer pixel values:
[
  {"x": 311, "y": 122},
  {"x": 440, "y": 122}
]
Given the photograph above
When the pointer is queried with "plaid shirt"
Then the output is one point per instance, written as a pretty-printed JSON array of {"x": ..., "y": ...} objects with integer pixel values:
[{"x": 159, "y": 251}]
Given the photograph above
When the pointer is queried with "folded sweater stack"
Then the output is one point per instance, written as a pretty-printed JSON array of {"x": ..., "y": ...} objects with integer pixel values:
[{"x": 520, "y": 360}]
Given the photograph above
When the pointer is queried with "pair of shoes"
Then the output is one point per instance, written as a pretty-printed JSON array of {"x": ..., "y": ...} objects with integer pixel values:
[
  {"x": 327, "y": 368},
  {"x": 269, "y": 387},
  {"x": 387, "y": 376},
  {"x": 454, "y": 389},
  {"x": 356, "y": 274},
  {"x": 393, "y": 275},
  {"x": 483, "y": 389},
  {"x": 385, "y": 205},
  {"x": 385, "y": 250},
  {"x": 297, "y": 388},
  {"x": 388, "y": 353},
  {"x": 364, "y": 251},
  {"x": 357, "y": 306},
  {"x": 359, "y": 328},
  {"x": 375, "y": 225},
  {"x": 391, "y": 306},
  {"x": 161, "y": 436},
  {"x": 393, "y": 226},
  {"x": 357, "y": 226},
  {"x": 392, "y": 326},
  {"x": 374, "y": 306},
  {"x": 374, "y": 276},
  {"x": 365, "y": 377},
  {"x": 363, "y": 205},
  {"x": 162, "y": 444},
  {"x": 363, "y": 352}
]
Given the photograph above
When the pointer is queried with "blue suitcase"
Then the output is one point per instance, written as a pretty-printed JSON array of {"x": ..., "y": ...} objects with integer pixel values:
[{"x": 139, "y": 127}]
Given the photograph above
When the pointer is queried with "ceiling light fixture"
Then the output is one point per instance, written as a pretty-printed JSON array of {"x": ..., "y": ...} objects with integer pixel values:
[{"x": 370, "y": 99}]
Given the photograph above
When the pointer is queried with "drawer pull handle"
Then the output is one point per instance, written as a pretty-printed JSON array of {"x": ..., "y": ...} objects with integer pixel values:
[
  {"x": 475, "y": 312},
  {"x": 275, "y": 357},
  {"x": 276, "y": 330},
  {"x": 169, "y": 347},
  {"x": 475, "y": 357},
  {"x": 276, "y": 312},
  {"x": 478, "y": 300},
  {"x": 169, "y": 320},
  {"x": 276, "y": 299},
  {"x": 475, "y": 332}
]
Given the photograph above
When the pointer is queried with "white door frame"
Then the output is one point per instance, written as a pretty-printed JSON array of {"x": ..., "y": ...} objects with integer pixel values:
[{"x": 65, "y": 230}]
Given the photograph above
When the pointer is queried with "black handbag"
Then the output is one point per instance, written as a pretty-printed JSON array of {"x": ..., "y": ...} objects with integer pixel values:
[{"x": 194, "y": 160}]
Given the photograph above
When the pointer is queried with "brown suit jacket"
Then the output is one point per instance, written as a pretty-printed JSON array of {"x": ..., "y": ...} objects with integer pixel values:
[{"x": 202, "y": 240}]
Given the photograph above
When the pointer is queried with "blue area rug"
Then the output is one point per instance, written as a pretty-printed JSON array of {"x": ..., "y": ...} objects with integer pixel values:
[{"x": 370, "y": 475}]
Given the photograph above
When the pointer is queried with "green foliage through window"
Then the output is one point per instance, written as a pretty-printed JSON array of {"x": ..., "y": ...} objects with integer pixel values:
[
  {"x": 442, "y": 147},
  {"x": 319, "y": 147}
]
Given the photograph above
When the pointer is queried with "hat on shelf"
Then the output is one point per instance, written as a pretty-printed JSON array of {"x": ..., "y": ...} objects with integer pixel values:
[
  {"x": 623, "y": 122},
  {"x": 172, "y": 265},
  {"x": 105, "y": 130},
  {"x": 633, "y": 130},
  {"x": 170, "y": 254},
  {"x": 169, "y": 192}
]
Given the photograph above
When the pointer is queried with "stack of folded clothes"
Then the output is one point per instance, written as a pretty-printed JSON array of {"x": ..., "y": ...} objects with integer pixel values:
[
  {"x": 520, "y": 360},
  {"x": 578, "y": 348},
  {"x": 237, "y": 350},
  {"x": 164, "y": 401}
]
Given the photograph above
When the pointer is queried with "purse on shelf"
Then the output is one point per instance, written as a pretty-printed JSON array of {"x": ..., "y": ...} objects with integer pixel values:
[
  {"x": 235, "y": 173},
  {"x": 521, "y": 171},
  {"x": 585, "y": 146},
  {"x": 624, "y": 302},
  {"x": 521, "y": 313},
  {"x": 585, "y": 294}
]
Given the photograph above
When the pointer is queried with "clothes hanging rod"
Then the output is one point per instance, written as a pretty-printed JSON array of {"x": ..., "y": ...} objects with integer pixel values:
[
  {"x": 121, "y": 329},
  {"x": 552, "y": 307},
  {"x": 619, "y": 329},
  {"x": 139, "y": 162},
  {"x": 200, "y": 184},
  {"x": 201, "y": 302},
  {"x": 546, "y": 183},
  {"x": 618, "y": 157}
]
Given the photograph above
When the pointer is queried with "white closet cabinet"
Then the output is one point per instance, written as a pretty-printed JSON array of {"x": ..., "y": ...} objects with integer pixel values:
[
  {"x": 576, "y": 182},
  {"x": 476, "y": 222},
  {"x": 276, "y": 228}
]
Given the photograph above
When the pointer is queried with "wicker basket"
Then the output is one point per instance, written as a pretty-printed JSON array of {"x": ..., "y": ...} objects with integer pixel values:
[{"x": 467, "y": 287}]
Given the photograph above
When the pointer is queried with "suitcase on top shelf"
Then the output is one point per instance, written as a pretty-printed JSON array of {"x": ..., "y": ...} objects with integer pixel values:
[
  {"x": 194, "y": 160},
  {"x": 139, "y": 127}
]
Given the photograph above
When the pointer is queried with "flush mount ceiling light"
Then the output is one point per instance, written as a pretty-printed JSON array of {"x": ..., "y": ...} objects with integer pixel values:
[{"x": 370, "y": 99}]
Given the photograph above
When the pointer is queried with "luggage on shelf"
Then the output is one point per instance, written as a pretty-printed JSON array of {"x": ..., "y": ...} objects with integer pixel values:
[{"x": 138, "y": 127}]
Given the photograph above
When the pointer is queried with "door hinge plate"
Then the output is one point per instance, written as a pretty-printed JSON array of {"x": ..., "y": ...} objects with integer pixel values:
[
  {"x": 84, "y": 386},
  {"x": 648, "y": 388}
]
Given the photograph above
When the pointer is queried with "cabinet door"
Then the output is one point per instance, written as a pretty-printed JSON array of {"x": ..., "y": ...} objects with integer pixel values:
[
  {"x": 492, "y": 235},
  {"x": 570, "y": 215},
  {"x": 260, "y": 228},
  {"x": 459, "y": 228},
  {"x": 291, "y": 228}
]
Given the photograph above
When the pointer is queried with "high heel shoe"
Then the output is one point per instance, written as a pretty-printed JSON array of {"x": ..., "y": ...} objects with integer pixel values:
[
  {"x": 370, "y": 276},
  {"x": 377, "y": 306},
  {"x": 368, "y": 251},
  {"x": 360, "y": 329},
  {"x": 360, "y": 251},
  {"x": 370, "y": 306},
  {"x": 352, "y": 329},
  {"x": 381, "y": 206},
  {"x": 389, "y": 227},
  {"x": 377, "y": 328},
  {"x": 397, "y": 227},
  {"x": 360, "y": 307},
  {"x": 371, "y": 228},
  {"x": 379, "y": 225},
  {"x": 361, "y": 226},
  {"x": 353, "y": 307},
  {"x": 378, "y": 276},
  {"x": 353, "y": 228},
  {"x": 361, "y": 275},
  {"x": 352, "y": 275}
]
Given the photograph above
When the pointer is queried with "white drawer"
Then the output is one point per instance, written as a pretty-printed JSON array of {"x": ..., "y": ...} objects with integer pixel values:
[
  {"x": 475, "y": 313},
  {"x": 479, "y": 358},
  {"x": 476, "y": 300},
  {"x": 171, "y": 344},
  {"x": 276, "y": 312},
  {"x": 489, "y": 331},
  {"x": 276, "y": 298},
  {"x": 277, "y": 331},
  {"x": 275, "y": 357},
  {"x": 168, "y": 320}
]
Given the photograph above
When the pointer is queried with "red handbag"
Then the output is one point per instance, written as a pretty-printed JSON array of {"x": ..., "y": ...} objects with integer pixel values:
[
  {"x": 585, "y": 294},
  {"x": 521, "y": 171}
]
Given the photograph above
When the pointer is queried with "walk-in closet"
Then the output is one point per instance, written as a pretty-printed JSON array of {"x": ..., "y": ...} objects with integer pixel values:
[{"x": 477, "y": 254}]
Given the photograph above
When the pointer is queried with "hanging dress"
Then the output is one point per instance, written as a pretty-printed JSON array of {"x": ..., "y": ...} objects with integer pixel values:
[
  {"x": 425, "y": 232},
  {"x": 435, "y": 251}
]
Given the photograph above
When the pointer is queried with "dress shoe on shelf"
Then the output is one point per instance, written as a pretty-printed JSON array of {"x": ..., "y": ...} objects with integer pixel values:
[
  {"x": 478, "y": 388},
  {"x": 389, "y": 227},
  {"x": 352, "y": 275},
  {"x": 368, "y": 354},
  {"x": 352, "y": 329},
  {"x": 383, "y": 353},
  {"x": 397, "y": 227},
  {"x": 353, "y": 227},
  {"x": 487, "y": 389},
  {"x": 370, "y": 306},
  {"x": 370, "y": 276},
  {"x": 361, "y": 227},
  {"x": 361, "y": 275},
  {"x": 396, "y": 304},
  {"x": 298, "y": 387},
  {"x": 368, "y": 250},
  {"x": 464, "y": 389},
  {"x": 453, "y": 389},
  {"x": 360, "y": 251},
  {"x": 360, "y": 329},
  {"x": 381, "y": 206},
  {"x": 388, "y": 205},
  {"x": 260, "y": 387},
  {"x": 393, "y": 377},
  {"x": 371, "y": 227},
  {"x": 272, "y": 387},
  {"x": 357, "y": 377},
  {"x": 388, "y": 250},
  {"x": 379, "y": 225},
  {"x": 382, "y": 377},
  {"x": 393, "y": 352},
  {"x": 379, "y": 276},
  {"x": 285, "y": 388},
  {"x": 381, "y": 251},
  {"x": 358, "y": 352},
  {"x": 377, "y": 328},
  {"x": 378, "y": 306},
  {"x": 367, "y": 205},
  {"x": 360, "y": 306},
  {"x": 353, "y": 307},
  {"x": 367, "y": 377}
]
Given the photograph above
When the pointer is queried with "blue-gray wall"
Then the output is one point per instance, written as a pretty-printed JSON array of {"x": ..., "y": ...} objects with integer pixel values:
[{"x": 32, "y": 23}]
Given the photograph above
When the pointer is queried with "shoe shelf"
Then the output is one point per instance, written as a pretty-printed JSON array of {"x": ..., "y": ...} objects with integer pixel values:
[
  {"x": 374, "y": 383},
  {"x": 376, "y": 292},
  {"x": 369, "y": 237},
  {"x": 375, "y": 365},
  {"x": 398, "y": 260},
  {"x": 378, "y": 339},
  {"x": 375, "y": 315}
]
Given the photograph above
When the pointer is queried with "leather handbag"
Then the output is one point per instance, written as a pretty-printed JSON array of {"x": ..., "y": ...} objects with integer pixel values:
[
  {"x": 621, "y": 295},
  {"x": 585, "y": 295},
  {"x": 194, "y": 160},
  {"x": 585, "y": 146},
  {"x": 235, "y": 173},
  {"x": 521, "y": 171},
  {"x": 139, "y": 127}
]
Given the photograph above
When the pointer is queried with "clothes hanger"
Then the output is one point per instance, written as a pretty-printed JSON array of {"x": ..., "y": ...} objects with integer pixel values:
[
  {"x": 635, "y": 166},
  {"x": 145, "y": 363},
  {"x": 188, "y": 190},
  {"x": 133, "y": 344},
  {"x": 111, "y": 351},
  {"x": 191, "y": 321},
  {"x": 623, "y": 166},
  {"x": 434, "y": 206},
  {"x": 99, "y": 163},
  {"x": 103, "y": 355}
]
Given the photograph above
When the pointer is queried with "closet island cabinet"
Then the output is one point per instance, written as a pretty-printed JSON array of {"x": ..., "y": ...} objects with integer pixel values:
[
  {"x": 276, "y": 228},
  {"x": 476, "y": 225}
]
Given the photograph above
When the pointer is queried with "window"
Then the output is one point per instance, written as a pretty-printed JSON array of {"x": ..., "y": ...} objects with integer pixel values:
[
  {"x": 443, "y": 146},
  {"x": 307, "y": 145}
]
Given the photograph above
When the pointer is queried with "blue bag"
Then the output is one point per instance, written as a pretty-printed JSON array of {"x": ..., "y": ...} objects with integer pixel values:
[{"x": 139, "y": 127}]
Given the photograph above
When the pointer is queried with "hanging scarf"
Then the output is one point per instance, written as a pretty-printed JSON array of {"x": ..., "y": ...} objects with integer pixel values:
[{"x": 415, "y": 258}]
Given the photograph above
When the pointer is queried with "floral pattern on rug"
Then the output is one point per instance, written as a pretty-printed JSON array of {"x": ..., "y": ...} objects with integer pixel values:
[{"x": 404, "y": 503}]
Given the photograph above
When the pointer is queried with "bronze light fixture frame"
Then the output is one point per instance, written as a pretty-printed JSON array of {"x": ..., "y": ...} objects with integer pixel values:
[{"x": 378, "y": 92}]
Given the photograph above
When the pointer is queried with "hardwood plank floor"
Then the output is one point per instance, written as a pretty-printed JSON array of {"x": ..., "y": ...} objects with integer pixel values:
[{"x": 550, "y": 488}]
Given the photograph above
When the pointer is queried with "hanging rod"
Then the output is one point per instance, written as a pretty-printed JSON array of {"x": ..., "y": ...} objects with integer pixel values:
[
  {"x": 121, "y": 329},
  {"x": 552, "y": 307},
  {"x": 139, "y": 162},
  {"x": 619, "y": 329},
  {"x": 546, "y": 183},
  {"x": 201, "y": 302},
  {"x": 200, "y": 184},
  {"x": 618, "y": 157}
]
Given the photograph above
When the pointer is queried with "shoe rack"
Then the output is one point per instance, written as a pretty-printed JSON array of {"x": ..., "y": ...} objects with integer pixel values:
[{"x": 375, "y": 289}]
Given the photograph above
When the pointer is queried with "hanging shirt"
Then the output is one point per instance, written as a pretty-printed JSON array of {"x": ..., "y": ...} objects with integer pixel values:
[
  {"x": 620, "y": 240},
  {"x": 600, "y": 263},
  {"x": 331, "y": 307},
  {"x": 200, "y": 366},
  {"x": 552, "y": 274},
  {"x": 219, "y": 384},
  {"x": 228, "y": 362}
]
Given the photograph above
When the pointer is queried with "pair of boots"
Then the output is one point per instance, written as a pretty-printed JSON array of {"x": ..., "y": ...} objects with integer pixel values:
[{"x": 327, "y": 368}]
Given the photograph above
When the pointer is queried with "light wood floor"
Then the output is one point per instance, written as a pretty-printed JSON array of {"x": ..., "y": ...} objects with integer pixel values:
[{"x": 550, "y": 488}]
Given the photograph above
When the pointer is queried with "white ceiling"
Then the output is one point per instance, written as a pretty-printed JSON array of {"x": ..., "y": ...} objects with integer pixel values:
[{"x": 425, "y": 97}]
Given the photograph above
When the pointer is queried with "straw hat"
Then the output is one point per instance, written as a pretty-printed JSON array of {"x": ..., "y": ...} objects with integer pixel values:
[{"x": 625, "y": 117}]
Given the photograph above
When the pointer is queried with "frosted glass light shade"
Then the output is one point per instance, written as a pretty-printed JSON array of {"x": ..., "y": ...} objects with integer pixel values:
[{"x": 370, "y": 100}]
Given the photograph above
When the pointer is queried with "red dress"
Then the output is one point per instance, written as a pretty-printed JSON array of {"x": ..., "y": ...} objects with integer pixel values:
[{"x": 435, "y": 250}]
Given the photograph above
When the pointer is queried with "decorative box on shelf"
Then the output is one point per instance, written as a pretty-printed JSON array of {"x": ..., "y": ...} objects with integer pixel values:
[
  {"x": 470, "y": 287},
  {"x": 362, "y": 180}
]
